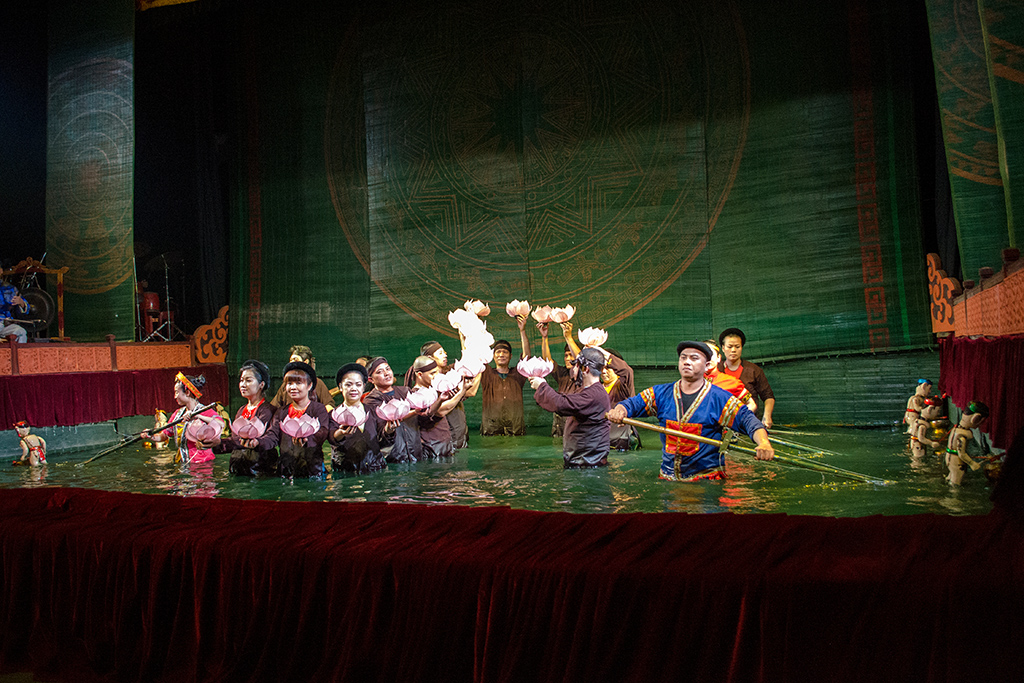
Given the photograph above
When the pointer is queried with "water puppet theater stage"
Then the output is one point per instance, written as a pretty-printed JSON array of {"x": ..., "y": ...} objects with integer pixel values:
[{"x": 838, "y": 180}]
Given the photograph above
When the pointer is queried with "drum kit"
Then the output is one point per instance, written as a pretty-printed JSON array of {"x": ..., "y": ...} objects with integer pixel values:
[{"x": 154, "y": 323}]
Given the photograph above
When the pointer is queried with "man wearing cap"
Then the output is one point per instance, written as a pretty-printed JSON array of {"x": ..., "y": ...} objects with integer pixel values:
[
  {"x": 695, "y": 406},
  {"x": 752, "y": 376},
  {"x": 585, "y": 440},
  {"x": 502, "y": 390}
]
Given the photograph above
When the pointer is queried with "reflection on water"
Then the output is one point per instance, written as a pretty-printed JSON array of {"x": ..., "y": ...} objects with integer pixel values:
[{"x": 527, "y": 473}]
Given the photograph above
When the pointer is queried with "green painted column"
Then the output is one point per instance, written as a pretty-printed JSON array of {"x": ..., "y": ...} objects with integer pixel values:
[
  {"x": 90, "y": 162},
  {"x": 969, "y": 132},
  {"x": 1003, "y": 26}
]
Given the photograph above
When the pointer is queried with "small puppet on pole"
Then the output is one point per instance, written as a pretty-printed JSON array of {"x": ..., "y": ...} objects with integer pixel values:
[
  {"x": 960, "y": 439},
  {"x": 915, "y": 403}
]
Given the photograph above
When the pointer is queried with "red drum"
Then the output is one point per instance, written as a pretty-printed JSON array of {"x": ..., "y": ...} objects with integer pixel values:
[{"x": 150, "y": 301}]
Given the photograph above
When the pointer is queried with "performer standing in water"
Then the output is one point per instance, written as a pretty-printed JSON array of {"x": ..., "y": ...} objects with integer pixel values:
[
  {"x": 562, "y": 373},
  {"x": 356, "y": 449},
  {"x": 694, "y": 405},
  {"x": 187, "y": 392},
  {"x": 435, "y": 432},
  {"x": 585, "y": 441},
  {"x": 404, "y": 444},
  {"x": 300, "y": 456},
  {"x": 502, "y": 389},
  {"x": 247, "y": 458}
]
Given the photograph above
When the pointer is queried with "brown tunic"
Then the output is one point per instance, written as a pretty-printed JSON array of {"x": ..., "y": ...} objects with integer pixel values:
[
  {"x": 586, "y": 439},
  {"x": 502, "y": 400}
]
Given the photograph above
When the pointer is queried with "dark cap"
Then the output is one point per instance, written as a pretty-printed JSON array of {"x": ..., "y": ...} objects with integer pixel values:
[
  {"x": 732, "y": 332},
  {"x": 351, "y": 367},
  {"x": 304, "y": 367},
  {"x": 700, "y": 346}
]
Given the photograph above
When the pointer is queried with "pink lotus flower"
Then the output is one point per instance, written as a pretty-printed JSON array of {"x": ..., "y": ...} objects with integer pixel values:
[
  {"x": 346, "y": 417},
  {"x": 198, "y": 430},
  {"x": 300, "y": 427},
  {"x": 422, "y": 398},
  {"x": 535, "y": 367},
  {"x": 469, "y": 366},
  {"x": 516, "y": 307},
  {"x": 477, "y": 308},
  {"x": 394, "y": 410},
  {"x": 592, "y": 336},
  {"x": 448, "y": 383},
  {"x": 248, "y": 429},
  {"x": 562, "y": 315},
  {"x": 542, "y": 314}
]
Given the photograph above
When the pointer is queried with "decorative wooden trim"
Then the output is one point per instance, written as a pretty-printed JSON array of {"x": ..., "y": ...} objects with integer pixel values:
[
  {"x": 30, "y": 265},
  {"x": 210, "y": 342},
  {"x": 942, "y": 289}
]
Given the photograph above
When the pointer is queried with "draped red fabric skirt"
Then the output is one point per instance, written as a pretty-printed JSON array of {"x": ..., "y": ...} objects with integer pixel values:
[
  {"x": 130, "y": 587},
  {"x": 990, "y": 371}
]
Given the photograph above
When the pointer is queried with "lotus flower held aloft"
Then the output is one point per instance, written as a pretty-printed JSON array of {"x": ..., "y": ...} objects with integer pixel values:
[
  {"x": 300, "y": 427},
  {"x": 542, "y": 314},
  {"x": 480, "y": 352},
  {"x": 397, "y": 409},
  {"x": 248, "y": 429},
  {"x": 562, "y": 315},
  {"x": 448, "y": 383},
  {"x": 346, "y": 417},
  {"x": 465, "y": 321},
  {"x": 477, "y": 308},
  {"x": 516, "y": 308},
  {"x": 593, "y": 336},
  {"x": 535, "y": 367},
  {"x": 422, "y": 398}
]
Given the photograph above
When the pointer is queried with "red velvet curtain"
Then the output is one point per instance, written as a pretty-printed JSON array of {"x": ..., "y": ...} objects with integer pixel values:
[
  {"x": 990, "y": 371},
  {"x": 68, "y": 399},
  {"x": 127, "y": 587}
]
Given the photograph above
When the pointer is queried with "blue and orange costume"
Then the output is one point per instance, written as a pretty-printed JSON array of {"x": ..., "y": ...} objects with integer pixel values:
[{"x": 713, "y": 410}]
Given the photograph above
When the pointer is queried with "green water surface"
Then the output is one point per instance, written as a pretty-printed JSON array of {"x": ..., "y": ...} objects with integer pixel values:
[{"x": 527, "y": 473}]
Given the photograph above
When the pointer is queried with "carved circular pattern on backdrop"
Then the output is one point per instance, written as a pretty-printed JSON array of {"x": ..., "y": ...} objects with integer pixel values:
[
  {"x": 90, "y": 174},
  {"x": 562, "y": 159}
]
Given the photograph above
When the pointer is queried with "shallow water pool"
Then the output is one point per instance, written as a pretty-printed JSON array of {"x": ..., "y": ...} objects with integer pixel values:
[{"x": 527, "y": 473}]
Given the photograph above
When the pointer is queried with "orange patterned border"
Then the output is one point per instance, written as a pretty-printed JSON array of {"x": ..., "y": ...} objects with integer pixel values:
[
  {"x": 942, "y": 289},
  {"x": 210, "y": 342}
]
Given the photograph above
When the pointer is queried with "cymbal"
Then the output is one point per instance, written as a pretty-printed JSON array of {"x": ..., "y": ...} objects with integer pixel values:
[{"x": 174, "y": 259}]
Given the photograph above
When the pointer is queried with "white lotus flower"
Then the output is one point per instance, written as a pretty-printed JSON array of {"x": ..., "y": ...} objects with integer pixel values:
[
  {"x": 477, "y": 308},
  {"x": 469, "y": 366},
  {"x": 516, "y": 307},
  {"x": 592, "y": 336},
  {"x": 448, "y": 383},
  {"x": 542, "y": 314},
  {"x": 562, "y": 315},
  {"x": 394, "y": 410}
]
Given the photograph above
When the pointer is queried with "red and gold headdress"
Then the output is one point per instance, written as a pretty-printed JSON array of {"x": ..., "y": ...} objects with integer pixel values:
[{"x": 185, "y": 382}]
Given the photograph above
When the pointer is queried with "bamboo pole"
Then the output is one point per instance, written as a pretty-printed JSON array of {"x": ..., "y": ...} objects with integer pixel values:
[
  {"x": 132, "y": 439},
  {"x": 784, "y": 458}
]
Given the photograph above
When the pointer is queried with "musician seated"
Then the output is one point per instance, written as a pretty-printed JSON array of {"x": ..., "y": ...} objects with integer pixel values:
[{"x": 10, "y": 300}]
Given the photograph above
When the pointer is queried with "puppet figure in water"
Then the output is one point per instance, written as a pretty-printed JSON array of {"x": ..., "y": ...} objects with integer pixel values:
[
  {"x": 961, "y": 442},
  {"x": 932, "y": 429},
  {"x": 916, "y": 403},
  {"x": 160, "y": 420},
  {"x": 33, "y": 448}
]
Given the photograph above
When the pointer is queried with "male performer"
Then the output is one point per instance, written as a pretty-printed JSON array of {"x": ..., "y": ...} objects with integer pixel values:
[
  {"x": 585, "y": 441},
  {"x": 435, "y": 431},
  {"x": 694, "y": 405},
  {"x": 752, "y": 376},
  {"x": 457, "y": 416},
  {"x": 563, "y": 372},
  {"x": 502, "y": 388},
  {"x": 402, "y": 445},
  {"x": 303, "y": 354},
  {"x": 9, "y": 300}
]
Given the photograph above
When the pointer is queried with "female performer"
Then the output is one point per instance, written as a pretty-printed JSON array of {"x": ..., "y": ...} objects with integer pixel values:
[
  {"x": 187, "y": 391},
  {"x": 356, "y": 449},
  {"x": 301, "y": 456},
  {"x": 247, "y": 458}
]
